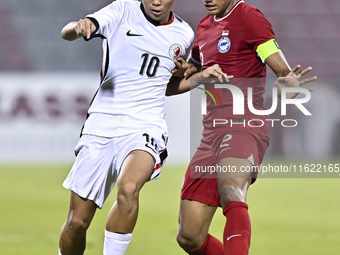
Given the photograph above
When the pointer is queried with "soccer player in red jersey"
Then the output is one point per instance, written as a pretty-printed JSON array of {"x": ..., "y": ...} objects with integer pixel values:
[{"x": 237, "y": 37}]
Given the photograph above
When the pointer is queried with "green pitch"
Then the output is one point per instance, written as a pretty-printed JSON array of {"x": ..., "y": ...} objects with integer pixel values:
[{"x": 289, "y": 216}]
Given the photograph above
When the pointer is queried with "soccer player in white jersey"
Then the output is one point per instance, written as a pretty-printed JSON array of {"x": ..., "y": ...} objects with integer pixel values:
[{"x": 124, "y": 137}]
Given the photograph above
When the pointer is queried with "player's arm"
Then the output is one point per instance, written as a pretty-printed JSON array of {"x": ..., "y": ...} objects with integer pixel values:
[
  {"x": 82, "y": 28},
  {"x": 179, "y": 82},
  {"x": 271, "y": 54},
  {"x": 292, "y": 81},
  {"x": 195, "y": 64},
  {"x": 278, "y": 63},
  {"x": 287, "y": 77},
  {"x": 178, "y": 85},
  {"x": 183, "y": 70}
]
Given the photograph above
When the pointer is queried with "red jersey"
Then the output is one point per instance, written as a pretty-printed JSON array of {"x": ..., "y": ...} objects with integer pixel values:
[{"x": 231, "y": 42}]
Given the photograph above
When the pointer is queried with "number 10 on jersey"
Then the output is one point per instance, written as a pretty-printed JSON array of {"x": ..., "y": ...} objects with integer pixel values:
[{"x": 150, "y": 65}]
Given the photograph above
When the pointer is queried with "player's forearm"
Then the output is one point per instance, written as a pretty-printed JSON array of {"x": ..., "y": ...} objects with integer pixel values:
[
  {"x": 178, "y": 85},
  {"x": 185, "y": 84},
  {"x": 69, "y": 33},
  {"x": 278, "y": 63}
]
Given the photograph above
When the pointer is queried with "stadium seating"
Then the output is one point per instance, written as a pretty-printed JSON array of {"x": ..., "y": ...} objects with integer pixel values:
[
  {"x": 306, "y": 30},
  {"x": 12, "y": 57}
]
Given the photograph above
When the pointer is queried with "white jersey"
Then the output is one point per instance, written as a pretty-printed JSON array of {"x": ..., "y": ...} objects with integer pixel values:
[{"x": 137, "y": 62}]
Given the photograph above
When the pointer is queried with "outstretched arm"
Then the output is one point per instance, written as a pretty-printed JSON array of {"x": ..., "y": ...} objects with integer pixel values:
[
  {"x": 183, "y": 68},
  {"x": 75, "y": 30},
  {"x": 178, "y": 85},
  {"x": 292, "y": 81},
  {"x": 278, "y": 63}
]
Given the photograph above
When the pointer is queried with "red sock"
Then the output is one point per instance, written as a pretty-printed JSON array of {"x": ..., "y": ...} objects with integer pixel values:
[
  {"x": 237, "y": 231},
  {"x": 211, "y": 246}
]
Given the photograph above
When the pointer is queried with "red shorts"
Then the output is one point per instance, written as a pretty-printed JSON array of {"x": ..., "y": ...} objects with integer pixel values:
[{"x": 200, "y": 184}]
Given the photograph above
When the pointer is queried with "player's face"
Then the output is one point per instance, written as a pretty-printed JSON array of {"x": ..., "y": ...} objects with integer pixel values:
[
  {"x": 158, "y": 10},
  {"x": 219, "y": 7}
]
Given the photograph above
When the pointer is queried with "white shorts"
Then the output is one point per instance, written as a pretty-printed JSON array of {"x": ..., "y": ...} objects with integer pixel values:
[{"x": 99, "y": 159}]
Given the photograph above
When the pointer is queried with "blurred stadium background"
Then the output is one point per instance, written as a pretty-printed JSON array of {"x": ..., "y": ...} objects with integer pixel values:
[{"x": 46, "y": 85}]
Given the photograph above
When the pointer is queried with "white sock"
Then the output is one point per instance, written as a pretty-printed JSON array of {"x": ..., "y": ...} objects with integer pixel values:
[{"x": 116, "y": 244}]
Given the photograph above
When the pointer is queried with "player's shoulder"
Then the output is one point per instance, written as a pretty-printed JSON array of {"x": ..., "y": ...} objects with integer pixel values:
[
  {"x": 249, "y": 11},
  {"x": 127, "y": 4},
  {"x": 182, "y": 25},
  {"x": 205, "y": 21},
  {"x": 251, "y": 16},
  {"x": 121, "y": 6},
  {"x": 181, "y": 22}
]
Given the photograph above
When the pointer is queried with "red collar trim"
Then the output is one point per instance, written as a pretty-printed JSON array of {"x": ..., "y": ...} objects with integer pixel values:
[{"x": 170, "y": 21}]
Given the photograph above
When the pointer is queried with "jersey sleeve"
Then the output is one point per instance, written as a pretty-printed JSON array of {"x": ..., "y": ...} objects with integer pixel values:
[
  {"x": 259, "y": 29},
  {"x": 195, "y": 50},
  {"x": 195, "y": 53},
  {"x": 107, "y": 18},
  {"x": 190, "y": 42}
]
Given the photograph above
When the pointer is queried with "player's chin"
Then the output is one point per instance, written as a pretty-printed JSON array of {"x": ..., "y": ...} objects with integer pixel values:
[
  {"x": 212, "y": 13},
  {"x": 157, "y": 18}
]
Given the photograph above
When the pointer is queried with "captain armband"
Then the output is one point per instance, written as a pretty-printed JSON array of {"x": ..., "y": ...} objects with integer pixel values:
[{"x": 268, "y": 48}]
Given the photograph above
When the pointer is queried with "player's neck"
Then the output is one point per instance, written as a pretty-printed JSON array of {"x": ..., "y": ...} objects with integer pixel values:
[
  {"x": 152, "y": 21},
  {"x": 229, "y": 8}
]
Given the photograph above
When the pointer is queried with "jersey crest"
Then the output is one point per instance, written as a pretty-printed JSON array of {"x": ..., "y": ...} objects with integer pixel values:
[
  {"x": 224, "y": 45},
  {"x": 176, "y": 51}
]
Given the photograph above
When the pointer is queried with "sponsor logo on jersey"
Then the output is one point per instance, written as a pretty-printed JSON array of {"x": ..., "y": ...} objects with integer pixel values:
[
  {"x": 176, "y": 51},
  {"x": 201, "y": 46},
  {"x": 128, "y": 33},
  {"x": 233, "y": 236},
  {"x": 224, "y": 45}
]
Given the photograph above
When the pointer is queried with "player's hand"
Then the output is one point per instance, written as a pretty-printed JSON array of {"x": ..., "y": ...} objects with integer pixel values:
[
  {"x": 215, "y": 71},
  {"x": 292, "y": 81},
  {"x": 85, "y": 27},
  {"x": 183, "y": 68}
]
